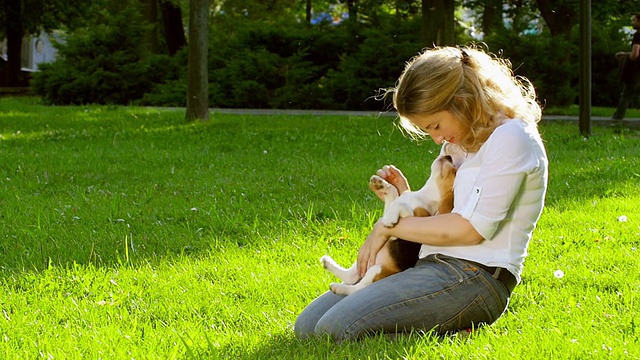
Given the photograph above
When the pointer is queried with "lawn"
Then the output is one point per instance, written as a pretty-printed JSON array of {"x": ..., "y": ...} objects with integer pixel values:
[
  {"x": 128, "y": 233},
  {"x": 596, "y": 111}
]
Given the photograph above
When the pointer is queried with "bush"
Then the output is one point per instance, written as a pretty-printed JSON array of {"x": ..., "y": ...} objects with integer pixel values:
[
  {"x": 553, "y": 74},
  {"x": 288, "y": 64},
  {"x": 291, "y": 65},
  {"x": 605, "y": 81},
  {"x": 376, "y": 63},
  {"x": 552, "y": 64},
  {"x": 103, "y": 64}
]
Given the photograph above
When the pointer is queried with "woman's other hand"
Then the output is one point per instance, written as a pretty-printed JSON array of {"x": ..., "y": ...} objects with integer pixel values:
[
  {"x": 395, "y": 177},
  {"x": 372, "y": 245}
]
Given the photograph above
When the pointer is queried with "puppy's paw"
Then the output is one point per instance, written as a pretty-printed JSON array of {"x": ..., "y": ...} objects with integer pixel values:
[
  {"x": 390, "y": 218},
  {"x": 341, "y": 289},
  {"x": 326, "y": 261},
  {"x": 334, "y": 287},
  {"x": 382, "y": 188},
  {"x": 378, "y": 184},
  {"x": 389, "y": 224}
]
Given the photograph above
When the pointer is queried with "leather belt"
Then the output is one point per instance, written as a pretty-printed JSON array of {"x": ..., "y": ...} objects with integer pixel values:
[{"x": 501, "y": 274}]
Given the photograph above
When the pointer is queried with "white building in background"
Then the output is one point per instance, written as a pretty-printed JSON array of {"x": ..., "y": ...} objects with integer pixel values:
[{"x": 35, "y": 50}]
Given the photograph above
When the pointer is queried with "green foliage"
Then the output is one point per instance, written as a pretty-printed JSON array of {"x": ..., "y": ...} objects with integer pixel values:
[
  {"x": 103, "y": 64},
  {"x": 280, "y": 65},
  {"x": 263, "y": 55},
  {"x": 291, "y": 65},
  {"x": 554, "y": 75},
  {"x": 607, "y": 40},
  {"x": 551, "y": 63},
  {"x": 376, "y": 63}
]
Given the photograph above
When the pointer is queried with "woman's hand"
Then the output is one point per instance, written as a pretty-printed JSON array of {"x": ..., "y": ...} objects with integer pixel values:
[
  {"x": 372, "y": 245},
  {"x": 395, "y": 177}
]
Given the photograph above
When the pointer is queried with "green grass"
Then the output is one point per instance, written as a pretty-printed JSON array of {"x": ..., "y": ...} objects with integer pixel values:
[
  {"x": 128, "y": 233},
  {"x": 599, "y": 111}
]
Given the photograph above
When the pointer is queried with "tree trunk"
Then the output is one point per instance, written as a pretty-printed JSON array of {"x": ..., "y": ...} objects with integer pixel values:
[
  {"x": 173, "y": 26},
  {"x": 438, "y": 19},
  {"x": 492, "y": 17},
  {"x": 560, "y": 18},
  {"x": 198, "y": 79},
  {"x": 150, "y": 14},
  {"x": 308, "y": 11},
  {"x": 352, "y": 7},
  {"x": 14, "y": 32}
]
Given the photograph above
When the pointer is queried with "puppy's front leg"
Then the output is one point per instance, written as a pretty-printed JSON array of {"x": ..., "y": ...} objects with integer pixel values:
[
  {"x": 394, "y": 211},
  {"x": 383, "y": 189},
  {"x": 348, "y": 276}
]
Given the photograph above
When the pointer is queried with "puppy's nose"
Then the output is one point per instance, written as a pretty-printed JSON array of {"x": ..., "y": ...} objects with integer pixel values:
[{"x": 448, "y": 158}]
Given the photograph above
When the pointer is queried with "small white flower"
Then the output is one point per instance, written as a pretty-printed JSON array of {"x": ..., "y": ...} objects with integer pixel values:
[
  {"x": 622, "y": 218},
  {"x": 194, "y": 209},
  {"x": 264, "y": 152},
  {"x": 559, "y": 274}
]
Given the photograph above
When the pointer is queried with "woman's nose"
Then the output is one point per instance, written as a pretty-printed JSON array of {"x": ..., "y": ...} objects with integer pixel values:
[{"x": 438, "y": 139}]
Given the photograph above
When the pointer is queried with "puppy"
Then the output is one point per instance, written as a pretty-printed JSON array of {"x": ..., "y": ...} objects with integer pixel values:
[{"x": 436, "y": 196}]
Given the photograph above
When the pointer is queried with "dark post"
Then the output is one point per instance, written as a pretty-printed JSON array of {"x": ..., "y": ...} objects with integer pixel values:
[
  {"x": 197, "y": 64},
  {"x": 584, "y": 120}
]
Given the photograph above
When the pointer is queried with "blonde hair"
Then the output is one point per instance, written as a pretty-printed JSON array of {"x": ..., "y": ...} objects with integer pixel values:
[{"x": 479, "y": 89}]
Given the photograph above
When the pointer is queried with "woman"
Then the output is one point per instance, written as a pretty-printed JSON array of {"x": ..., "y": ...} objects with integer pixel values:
[{"x": 472, "y": 258}]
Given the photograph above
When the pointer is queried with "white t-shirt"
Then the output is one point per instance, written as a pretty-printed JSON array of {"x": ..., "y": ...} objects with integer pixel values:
[{"x": 500, "y": 190}]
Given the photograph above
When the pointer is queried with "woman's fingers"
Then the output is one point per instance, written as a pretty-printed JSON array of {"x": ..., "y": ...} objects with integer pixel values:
[
  {"x": 394, "y": 176},
  {"x": 369, "y": 250}
]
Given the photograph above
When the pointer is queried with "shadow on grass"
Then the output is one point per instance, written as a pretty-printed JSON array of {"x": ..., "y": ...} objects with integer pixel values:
[{"x": 286, "y": 346}]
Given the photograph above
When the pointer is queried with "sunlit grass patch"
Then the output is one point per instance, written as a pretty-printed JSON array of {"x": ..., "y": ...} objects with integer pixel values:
[{"x": 128, "y": 233}]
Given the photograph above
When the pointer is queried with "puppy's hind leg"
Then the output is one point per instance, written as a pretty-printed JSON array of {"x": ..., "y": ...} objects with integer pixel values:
[
  {"x": 369, "y": 277},
  {"x": 348, "y": 276}
]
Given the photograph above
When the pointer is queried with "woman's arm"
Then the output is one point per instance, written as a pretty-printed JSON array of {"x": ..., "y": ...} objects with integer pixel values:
[{"x": 439, "y": 230}]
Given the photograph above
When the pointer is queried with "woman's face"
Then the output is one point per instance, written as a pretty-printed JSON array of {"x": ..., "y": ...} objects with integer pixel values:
[{"x": 440, "y": 126}]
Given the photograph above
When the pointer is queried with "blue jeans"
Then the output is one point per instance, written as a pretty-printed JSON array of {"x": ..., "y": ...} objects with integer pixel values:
[{"x": 440, "y": 293}]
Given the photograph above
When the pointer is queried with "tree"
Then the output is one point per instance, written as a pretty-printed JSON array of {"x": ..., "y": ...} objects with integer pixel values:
[
  {"x": 352, "y": 6},
  {"x": 492, "y": 16},
  {"x": 173, "y": 26},
  {"x": 19, "y": 18},
  {"x": 14, "y": 30},
  {"x": 197, "y": 71},
  {"x": 438, "y": 19},
  {"x": 150, "y": 13},
  {"x": 560, "y": 16},
  {"x": 171, "y": 23}
]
